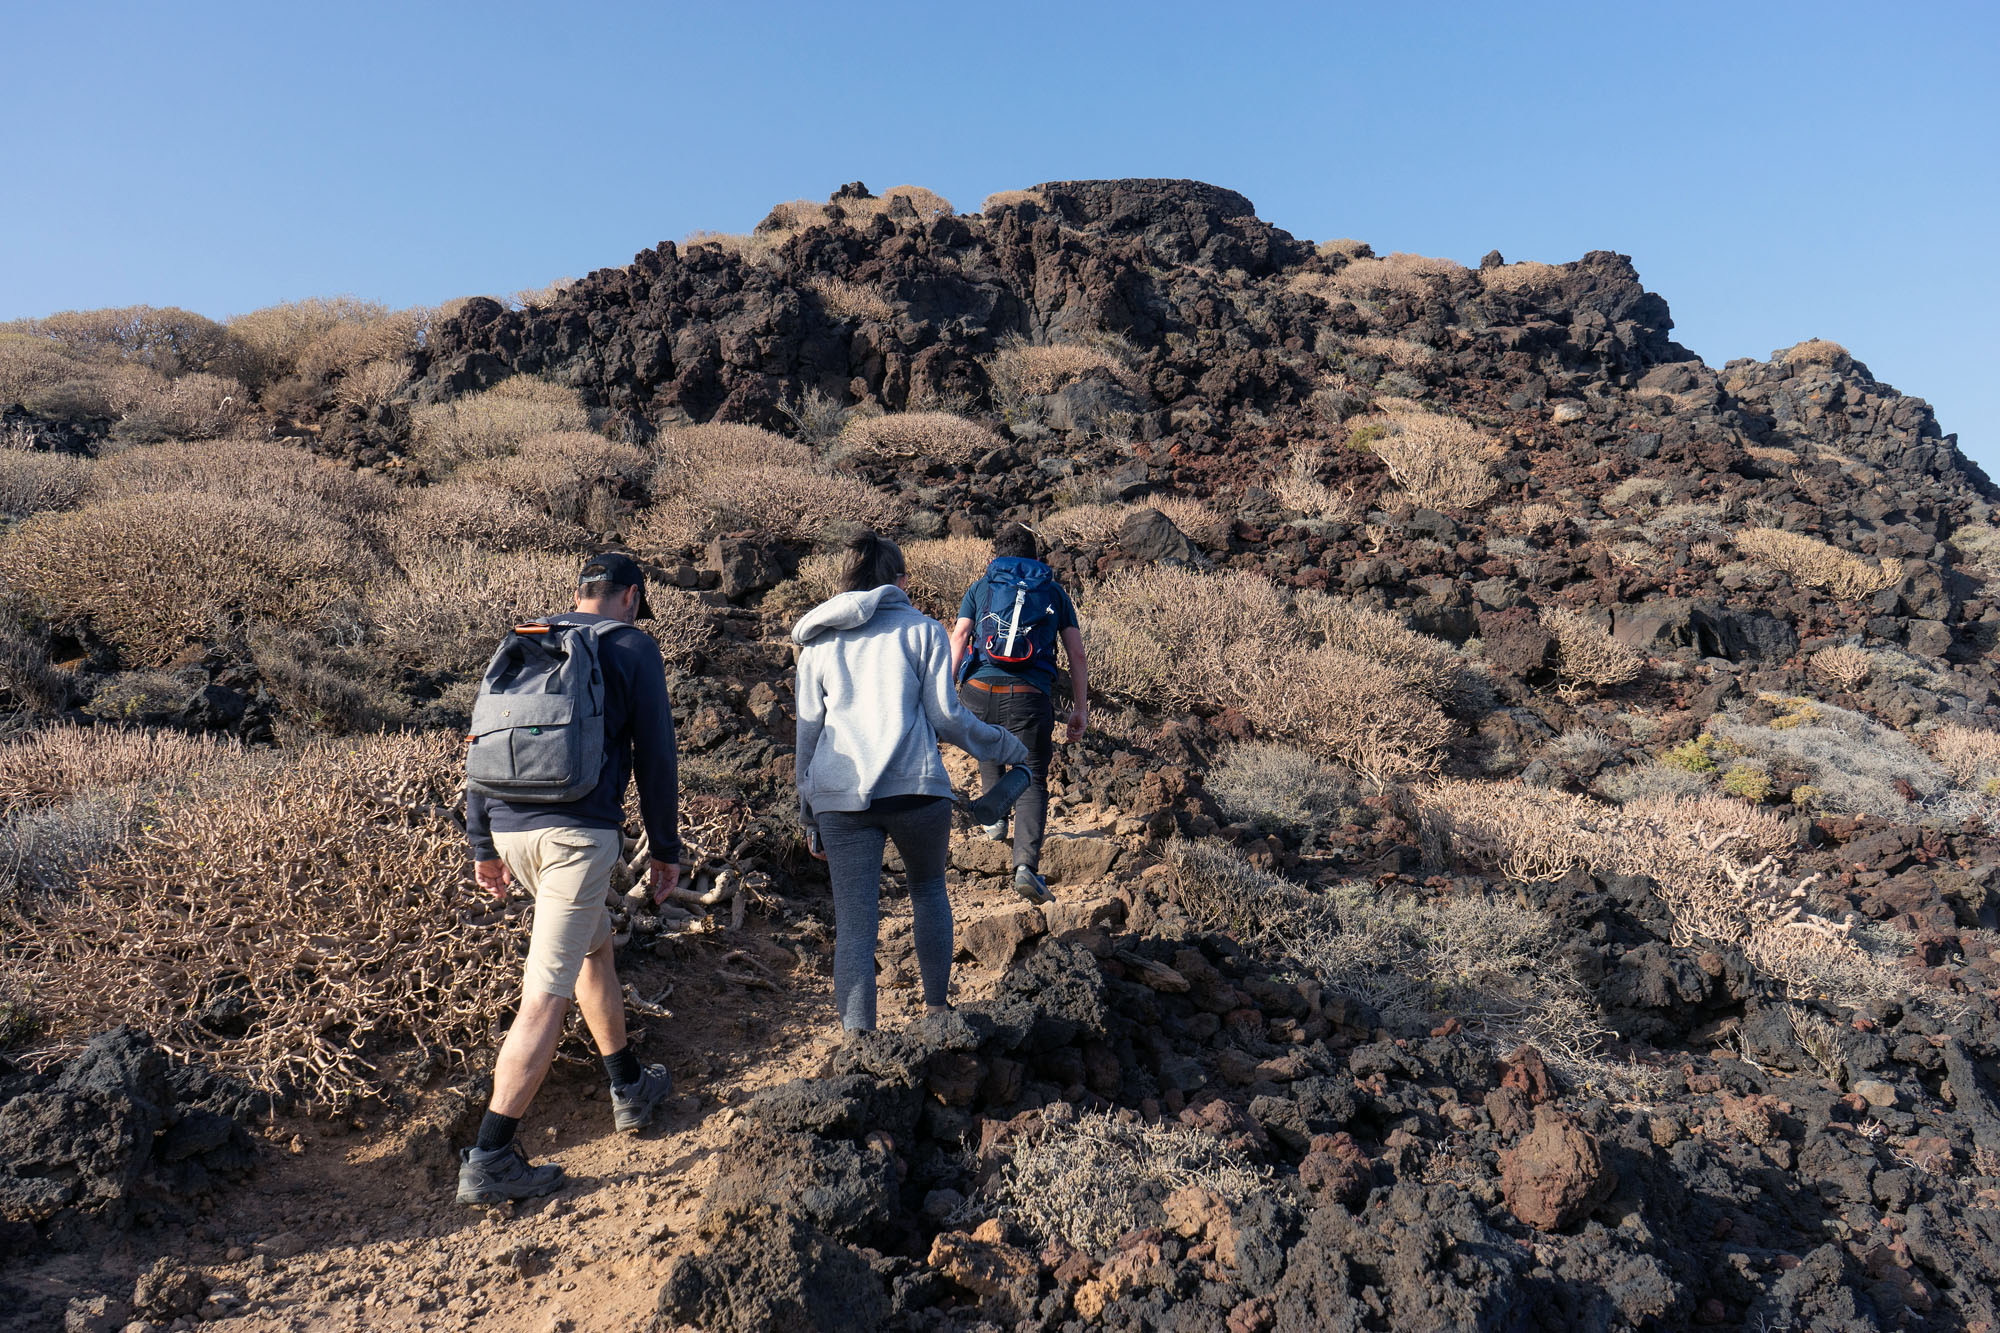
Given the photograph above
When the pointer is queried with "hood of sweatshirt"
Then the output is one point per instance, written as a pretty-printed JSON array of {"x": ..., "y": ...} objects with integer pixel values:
[{"x": 850, "y": 610}]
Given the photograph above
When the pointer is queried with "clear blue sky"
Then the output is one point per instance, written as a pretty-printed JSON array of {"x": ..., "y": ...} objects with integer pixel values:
[{"x": 1778, "y": 171}]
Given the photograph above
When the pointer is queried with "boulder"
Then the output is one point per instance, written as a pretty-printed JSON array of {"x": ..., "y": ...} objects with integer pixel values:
[
  {"x": 745, "y": 566},
  {"x": 1556, "y": 1174},
  {"x": 1005, "y": 1278},
  {"x": 762, "y": 1269},
  {"x": 994, "y": 940},
  {"x": 1149, "y": 536},
  {"x": 1077, "y": 858}
]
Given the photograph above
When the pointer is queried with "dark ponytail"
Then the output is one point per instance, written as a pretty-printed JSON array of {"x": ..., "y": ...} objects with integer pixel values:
[{"x": 872, "y": 562}]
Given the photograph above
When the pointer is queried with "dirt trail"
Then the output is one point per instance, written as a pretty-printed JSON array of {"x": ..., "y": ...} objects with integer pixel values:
[{"x": 340, "y": 1229}]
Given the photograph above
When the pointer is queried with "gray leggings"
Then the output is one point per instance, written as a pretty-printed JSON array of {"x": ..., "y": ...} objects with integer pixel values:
[{"x": 853, "y": 843}]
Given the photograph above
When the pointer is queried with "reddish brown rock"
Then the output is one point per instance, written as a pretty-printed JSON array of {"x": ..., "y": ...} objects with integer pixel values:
[
  {"x": 1555, "y": 1174},
  {"x": 1004, "y": 1277}
]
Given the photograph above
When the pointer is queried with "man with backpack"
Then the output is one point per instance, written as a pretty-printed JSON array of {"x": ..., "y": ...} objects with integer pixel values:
[
  {"x": 570, "y": 708},
  {"x": 1003, "y": 654}
]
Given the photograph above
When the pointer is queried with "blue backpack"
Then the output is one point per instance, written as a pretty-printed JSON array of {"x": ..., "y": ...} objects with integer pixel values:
[{"x": 1018, "y": 603}]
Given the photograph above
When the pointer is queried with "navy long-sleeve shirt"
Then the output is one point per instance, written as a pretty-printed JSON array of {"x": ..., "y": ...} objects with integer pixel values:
[{"x": 638, "y": 743}]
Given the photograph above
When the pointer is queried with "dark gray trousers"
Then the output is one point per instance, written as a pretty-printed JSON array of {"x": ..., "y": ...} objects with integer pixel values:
[
  {"x": 1030, "y": 715},
  {"x": 853, "y": 841}
]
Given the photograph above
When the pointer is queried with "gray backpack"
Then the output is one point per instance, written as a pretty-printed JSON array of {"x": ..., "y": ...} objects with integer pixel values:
[{"x": 538, "y": 723}]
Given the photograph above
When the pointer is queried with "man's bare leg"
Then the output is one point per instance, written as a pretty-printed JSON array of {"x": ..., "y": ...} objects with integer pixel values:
[
  {"x": 602, "y": 1002},
  {"x": 528, "y": 1051}
]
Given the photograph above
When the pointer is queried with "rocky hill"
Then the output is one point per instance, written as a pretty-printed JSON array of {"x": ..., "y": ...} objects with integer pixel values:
[{"x": 1533, "y": 865}]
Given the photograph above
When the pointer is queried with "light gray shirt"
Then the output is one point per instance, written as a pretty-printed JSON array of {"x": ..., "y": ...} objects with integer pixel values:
[{"x": 874, "y": 698}]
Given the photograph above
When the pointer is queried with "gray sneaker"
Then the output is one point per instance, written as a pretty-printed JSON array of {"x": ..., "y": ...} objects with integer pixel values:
[
  {"x": 995, "y": 832},
  {"x": 633, "y": 1104},
  {"x": 1032, "y": 886},
  {"x": 503, "y": 1174}
]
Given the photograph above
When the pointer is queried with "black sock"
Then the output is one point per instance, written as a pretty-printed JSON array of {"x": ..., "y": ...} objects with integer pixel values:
[
  {"x": 497, "y": 1131},
  {"x": 623, "y": 1067}
]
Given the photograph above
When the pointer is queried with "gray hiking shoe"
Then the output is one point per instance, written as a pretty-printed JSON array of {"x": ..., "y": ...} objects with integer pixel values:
[
  {"x": 1032, "y": 886},
  {"x": 995, "y": 832},
  {"x": 633, "y": 1104},
  {"x": 503, "y": 1174}
]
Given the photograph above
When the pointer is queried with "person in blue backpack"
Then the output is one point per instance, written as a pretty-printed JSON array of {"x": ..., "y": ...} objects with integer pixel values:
[{"x": 1003, "y": 654}]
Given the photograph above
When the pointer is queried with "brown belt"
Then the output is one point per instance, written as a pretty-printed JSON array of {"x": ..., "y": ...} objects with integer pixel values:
[{"x": 991, "y": 688}]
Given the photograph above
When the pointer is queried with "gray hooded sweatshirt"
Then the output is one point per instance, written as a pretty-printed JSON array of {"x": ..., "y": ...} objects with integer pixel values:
[{"x": 874, "y": 697}]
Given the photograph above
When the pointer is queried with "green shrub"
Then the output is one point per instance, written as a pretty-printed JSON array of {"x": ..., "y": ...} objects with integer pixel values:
[{"x": 1749, "y": 781}]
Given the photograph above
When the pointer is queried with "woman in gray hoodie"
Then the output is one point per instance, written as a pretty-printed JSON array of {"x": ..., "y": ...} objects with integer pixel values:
[{"x": 874, "y": 697}]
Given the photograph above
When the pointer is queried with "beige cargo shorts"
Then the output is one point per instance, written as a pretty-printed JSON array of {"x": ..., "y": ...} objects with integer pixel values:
[{"x": 569, "y": 872}]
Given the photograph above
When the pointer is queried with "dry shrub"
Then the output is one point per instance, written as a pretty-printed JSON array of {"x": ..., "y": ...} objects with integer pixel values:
[
  {"x": 329, "y": 896},
  {"x": 927, "y": 204},
  {"x": 687, "y": 454},
  {"x": 1816, "y": 352},
  {"x": 1506, "y": 971},
  {"x": 244, "y": 470},
  {"x": 681, "y": 624},
  {"x": 1398, "y": 275},
  {"x": 1098, "y": 524},
  {"x": 1844, "y": 664},
  {"x": 165, "y": 338},
  {"x": 190, "y": 407},
  {"x": 1281, "y": 788},
  {"x": 1081, "y": 525},
  {"x": 1345, "y": 247},
  {"x": 1586, "y": 654},
  {"x": 1086, "y": 1179},
  {"x": 468, "y": 511},
  {"x": 1178, "y": 639},
  {"x": 817, "y": 579},
  {"x": 1299, "y": 489},
  {"x": 32, "y": 482},
  {"x": 152, "y": 572},
  {"x": 56, "y": 764},
  {"x": 817, "y": 417},
  {"x": 1438, "y": 460},
  {"x": 1402, "y": 353},
  {"x": 931, "y": 436},
  {"x": 1527, "y": 278},
  {"x": 1812, "y": 563},
  {"x": 941, "y": 570},
  {"x": 1500, "y": 968},
  {"x": 29, "y": 364},
  {"x": 44, "y": 849},
  {"x": 284, "y": 337},
  {"x": 850, "y": 300},
  {"x": 352, "y": 344},
  {"x": 1025, "y": 370},
  {"x": 1193, "y": 518},
  {"x": 1699, "y": 856},
  {"x": 573, "y": 477},
  {"x": 538, "y": 298},
  {"x": 1970, "y": 755},
  {"x": 1012, "y": 199},
  {"x": 371, "y": 385},
  {"x": 31, "y": 682},
  {"x": 1423, "y": 664},
  {"x": 1857, "y": 765},
  {"x": 794, "y": 216},
  {"x": 454, "y": 602},
  {"x": 1346, "y": 707},
  {"x": 781, "y": 503},
  {"x": 495, "y": 422}
]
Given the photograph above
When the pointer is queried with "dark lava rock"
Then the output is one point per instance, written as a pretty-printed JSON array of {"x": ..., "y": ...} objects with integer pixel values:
[
  {"x": 765, "y": 1270},
  {"x": 114, "y": 1137}
]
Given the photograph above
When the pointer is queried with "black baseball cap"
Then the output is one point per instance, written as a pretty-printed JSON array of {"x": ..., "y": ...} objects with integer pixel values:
[{"x": 621, "y": 571}]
